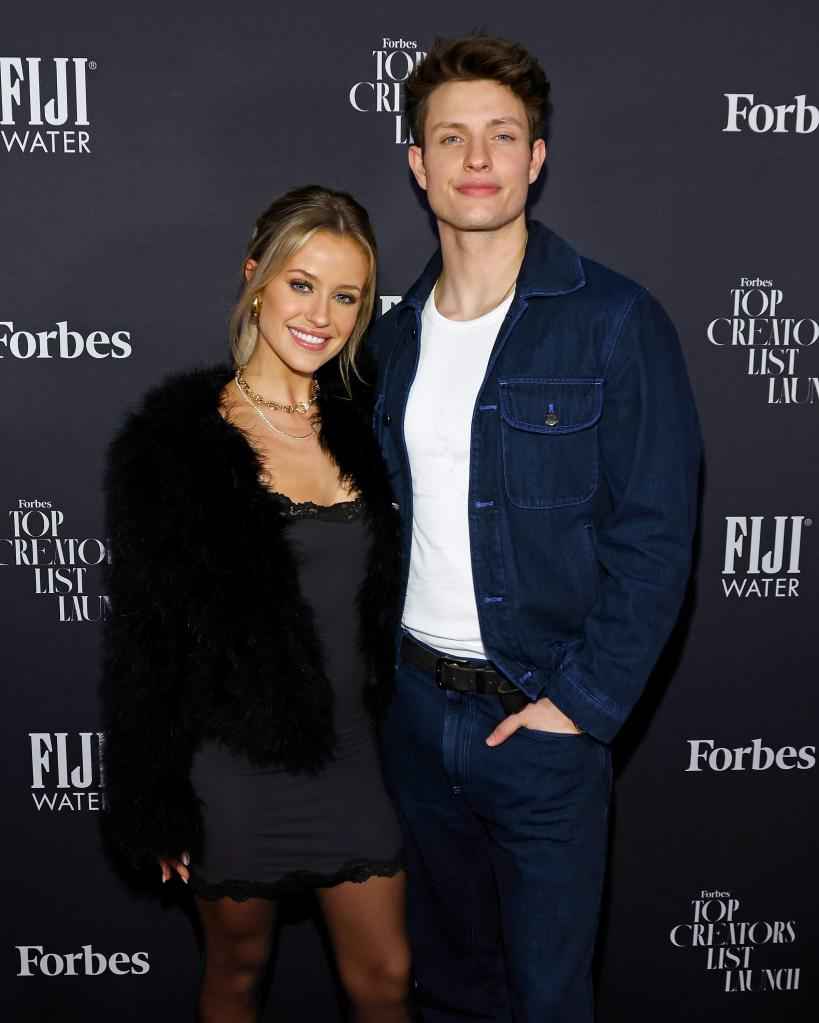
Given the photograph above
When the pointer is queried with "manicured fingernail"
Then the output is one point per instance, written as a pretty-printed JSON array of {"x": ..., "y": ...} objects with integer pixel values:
[
  {"x": 184, "y": 879},
  {"x": 164, "y": 879},
  {"x": 186, "y": 859}
]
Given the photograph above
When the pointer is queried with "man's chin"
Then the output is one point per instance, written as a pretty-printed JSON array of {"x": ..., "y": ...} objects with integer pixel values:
[{"x": 479, "y": 220}]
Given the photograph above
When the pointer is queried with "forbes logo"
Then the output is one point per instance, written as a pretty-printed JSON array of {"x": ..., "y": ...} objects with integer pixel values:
[
  {"x": 705, "y": 755},
  {"x": 62, "y": 343},
  {"x": 86, "y": 963},
  {"x": 800, "y": 117}
]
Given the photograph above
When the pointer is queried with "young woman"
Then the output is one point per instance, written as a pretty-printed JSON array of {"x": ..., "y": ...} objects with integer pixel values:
[{"x": 253, "y": 582}]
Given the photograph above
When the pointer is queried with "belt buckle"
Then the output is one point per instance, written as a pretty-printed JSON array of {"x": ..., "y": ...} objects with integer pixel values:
[{"x": 440, "y": 664}]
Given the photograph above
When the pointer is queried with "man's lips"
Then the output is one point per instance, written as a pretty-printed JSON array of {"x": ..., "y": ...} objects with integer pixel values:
[{"x": 478, "y": 191}]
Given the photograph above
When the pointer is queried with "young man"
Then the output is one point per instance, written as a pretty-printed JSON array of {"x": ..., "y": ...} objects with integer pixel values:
[{"x": 537, "y": 420}]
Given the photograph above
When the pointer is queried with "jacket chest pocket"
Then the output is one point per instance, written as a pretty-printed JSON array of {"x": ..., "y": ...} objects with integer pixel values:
[{"x": 549, "y": 440}]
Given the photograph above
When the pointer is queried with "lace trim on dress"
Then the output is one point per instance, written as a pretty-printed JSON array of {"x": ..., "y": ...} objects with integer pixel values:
[
  {"x": 342, "y": 511},
  {"x": 296, "y": 881}
]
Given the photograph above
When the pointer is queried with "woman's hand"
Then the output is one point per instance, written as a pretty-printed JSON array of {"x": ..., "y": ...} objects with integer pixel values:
[{"x": 169, "y": 865}]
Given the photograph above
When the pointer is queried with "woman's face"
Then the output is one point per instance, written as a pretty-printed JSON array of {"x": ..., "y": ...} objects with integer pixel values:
[{"x": 309, "y": 309}]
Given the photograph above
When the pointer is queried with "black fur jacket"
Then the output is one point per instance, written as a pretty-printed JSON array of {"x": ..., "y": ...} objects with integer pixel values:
[{"x": 209, "y": 635}]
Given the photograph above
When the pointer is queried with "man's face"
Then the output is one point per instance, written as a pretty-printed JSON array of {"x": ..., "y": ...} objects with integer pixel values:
[{"x": 476, "y": 165}]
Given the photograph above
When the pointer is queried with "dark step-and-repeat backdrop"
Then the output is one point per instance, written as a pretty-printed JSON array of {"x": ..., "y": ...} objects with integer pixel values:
[{"x": 135, "y": 152}]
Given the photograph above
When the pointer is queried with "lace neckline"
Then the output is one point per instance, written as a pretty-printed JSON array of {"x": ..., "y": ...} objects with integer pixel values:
[{"x": 341, "y": 511}]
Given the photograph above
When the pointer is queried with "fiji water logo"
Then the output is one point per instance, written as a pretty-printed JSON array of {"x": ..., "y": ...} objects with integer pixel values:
[
  {"x": 763, "y": 555},
  {"x": 44, "y": 105}
]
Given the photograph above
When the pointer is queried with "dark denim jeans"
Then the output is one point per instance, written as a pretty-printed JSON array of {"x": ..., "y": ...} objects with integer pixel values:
[{"x": 506, "y": 852}]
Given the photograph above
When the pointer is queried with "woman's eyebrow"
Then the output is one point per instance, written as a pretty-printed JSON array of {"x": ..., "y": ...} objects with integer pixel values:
[{"x": 299, "y": 270}]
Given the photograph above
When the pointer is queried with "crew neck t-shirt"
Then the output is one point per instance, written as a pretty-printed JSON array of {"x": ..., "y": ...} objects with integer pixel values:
[{"x": 440, "y": 608}]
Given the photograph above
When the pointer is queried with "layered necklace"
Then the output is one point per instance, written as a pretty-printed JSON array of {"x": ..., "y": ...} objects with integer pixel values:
[{"x": 255, "y": 400}]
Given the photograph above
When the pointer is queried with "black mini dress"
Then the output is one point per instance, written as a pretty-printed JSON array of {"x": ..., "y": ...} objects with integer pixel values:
[{"x": 268, "y": 831}]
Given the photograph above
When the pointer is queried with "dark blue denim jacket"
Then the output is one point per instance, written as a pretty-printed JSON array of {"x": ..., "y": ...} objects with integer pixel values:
[{"x": 582, "y": 482}]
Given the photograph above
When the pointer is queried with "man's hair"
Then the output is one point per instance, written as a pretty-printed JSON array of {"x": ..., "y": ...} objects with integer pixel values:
[{"x": 475, "y": 58}]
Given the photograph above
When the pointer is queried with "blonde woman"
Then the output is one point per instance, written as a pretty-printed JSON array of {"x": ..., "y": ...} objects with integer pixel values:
[{"x": 253, "y": 578}]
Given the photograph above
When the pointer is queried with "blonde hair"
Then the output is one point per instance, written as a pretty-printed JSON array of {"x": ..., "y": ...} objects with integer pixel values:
[{"x": 284, "y": 227}]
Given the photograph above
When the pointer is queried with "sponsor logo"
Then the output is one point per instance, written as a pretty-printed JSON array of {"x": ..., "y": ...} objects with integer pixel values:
[
  {"x": 392, "y": 65},
  {"x": 62, "y": 343},
  {"x": 705, "y": 755},
  {"x": 61, "y": 567},
  {"x": 35, "y": 962},
  {"x": 772, "y": 344},
  {"x": 744, "y": 113},
  {"x": 67, "y": 771},
  {"x": 735, "y": 948},
  {"x": 762, "y": 557},
  {"x": 44, "y": 105},
  {"x": 386, "y": 302}
]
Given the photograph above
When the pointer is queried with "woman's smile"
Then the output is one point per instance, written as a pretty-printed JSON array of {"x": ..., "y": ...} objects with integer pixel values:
[{"x": 308, "y": 339}]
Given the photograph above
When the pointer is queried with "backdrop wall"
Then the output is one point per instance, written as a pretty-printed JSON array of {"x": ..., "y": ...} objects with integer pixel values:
[{"x": 135, "y": 152}]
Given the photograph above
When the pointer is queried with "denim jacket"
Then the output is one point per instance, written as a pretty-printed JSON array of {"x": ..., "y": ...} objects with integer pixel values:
[{"x": 584, "y": 458}]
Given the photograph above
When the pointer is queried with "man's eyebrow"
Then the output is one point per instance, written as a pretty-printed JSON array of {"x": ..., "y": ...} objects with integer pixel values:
[
  {"x": 306, "y": 273},
  {"x": 448, "y": 124},
  {"x": 509, "y": 119}
]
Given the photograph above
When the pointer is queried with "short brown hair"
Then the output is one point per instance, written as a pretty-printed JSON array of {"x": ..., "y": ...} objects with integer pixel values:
[
  {"x": 475, "y": 58},
  {"x": 280, "y": 231}
]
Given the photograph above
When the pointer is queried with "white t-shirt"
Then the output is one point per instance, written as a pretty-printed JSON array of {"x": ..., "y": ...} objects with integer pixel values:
[{"x": 440, "y": 608}]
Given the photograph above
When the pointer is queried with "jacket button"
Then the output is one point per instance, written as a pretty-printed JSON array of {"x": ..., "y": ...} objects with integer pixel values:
[{"x": 387, "y": 420}]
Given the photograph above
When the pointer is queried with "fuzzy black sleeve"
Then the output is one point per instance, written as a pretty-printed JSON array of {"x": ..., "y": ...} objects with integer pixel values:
[{"x": 151, "y": 807}]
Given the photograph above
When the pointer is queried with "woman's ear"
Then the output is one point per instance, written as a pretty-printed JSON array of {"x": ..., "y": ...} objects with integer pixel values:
[{"x": 250, "y": 266}]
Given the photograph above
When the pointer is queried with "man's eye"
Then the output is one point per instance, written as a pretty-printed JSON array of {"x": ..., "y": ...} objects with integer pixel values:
[
  {"x": 506, "y": 137},
  {"x": 451, "y": 138}
]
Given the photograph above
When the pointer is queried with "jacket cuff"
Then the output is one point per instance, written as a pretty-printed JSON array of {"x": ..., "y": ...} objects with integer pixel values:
[
  {"x": 595, "y": 714},
  {"x": 165, "y": 823}
]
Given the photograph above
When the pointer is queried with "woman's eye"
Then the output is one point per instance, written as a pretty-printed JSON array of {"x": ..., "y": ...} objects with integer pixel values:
[
  {"x": 345, "y": 299},
  {"x": 300, "y": 285}
]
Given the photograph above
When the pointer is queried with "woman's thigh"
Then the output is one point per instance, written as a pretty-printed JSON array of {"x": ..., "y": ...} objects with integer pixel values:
[
  {"x": 237, "y": 935},
  {"x": 367, "y": 927}
]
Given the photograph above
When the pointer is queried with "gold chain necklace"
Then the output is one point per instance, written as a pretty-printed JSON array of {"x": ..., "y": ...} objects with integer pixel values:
[
  {"x": 269, "y": 425},
  {"x": 302, "y": 407},
  {"x": 436, "y": 291}
]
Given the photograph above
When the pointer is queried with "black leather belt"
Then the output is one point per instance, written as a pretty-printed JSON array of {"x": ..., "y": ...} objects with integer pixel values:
[{"x": 463, "y": 676}]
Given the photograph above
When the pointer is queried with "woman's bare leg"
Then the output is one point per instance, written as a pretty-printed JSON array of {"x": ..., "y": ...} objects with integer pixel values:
[
  {"x": 237, "y": 947},
  {"x": 366, "y": 925}
]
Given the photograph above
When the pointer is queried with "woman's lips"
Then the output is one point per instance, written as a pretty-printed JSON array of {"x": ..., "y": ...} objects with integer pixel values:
[{"x": 306, "y": 339}]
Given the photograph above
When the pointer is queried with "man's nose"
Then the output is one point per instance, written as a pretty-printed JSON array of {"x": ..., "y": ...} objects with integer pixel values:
[{"x": 477, "y": 156}]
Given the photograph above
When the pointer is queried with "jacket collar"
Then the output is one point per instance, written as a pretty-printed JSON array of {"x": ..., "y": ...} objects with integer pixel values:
[{"x": 550, "y": 267}]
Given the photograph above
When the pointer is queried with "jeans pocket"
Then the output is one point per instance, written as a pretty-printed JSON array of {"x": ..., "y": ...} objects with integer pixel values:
[{"x": 543, "y": 735}]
